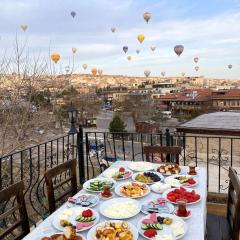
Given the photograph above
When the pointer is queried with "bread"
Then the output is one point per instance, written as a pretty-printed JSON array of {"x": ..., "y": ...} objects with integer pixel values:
[{"x": 69, "y": 233}]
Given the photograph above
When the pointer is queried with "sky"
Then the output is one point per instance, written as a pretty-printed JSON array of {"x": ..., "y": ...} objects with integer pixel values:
[{"x": 208, "y": 29}]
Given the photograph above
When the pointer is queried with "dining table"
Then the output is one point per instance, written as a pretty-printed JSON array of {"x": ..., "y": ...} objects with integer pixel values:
[{"x": 196, "y": 224}]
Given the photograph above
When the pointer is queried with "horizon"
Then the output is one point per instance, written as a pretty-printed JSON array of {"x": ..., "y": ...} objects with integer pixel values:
[{"x": 50, "y": 25}]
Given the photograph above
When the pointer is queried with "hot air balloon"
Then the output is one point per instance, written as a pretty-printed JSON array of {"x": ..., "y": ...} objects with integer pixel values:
[
  {"x": 153, "y": 48},
  {"x": 94, "y": 71},
  {"x": 138, "y": 51},
  {"x": 140, "y": 38},
  {"x": 196, "y": 68},
  {"x": 147, "y": 73},
  {"x": 178, "y": 49},
  {"x": 24, "y": 27},
  {"x": 183, "y": 74},
  {"x": 163, "y": 74},
  {"x": 196, "y": 59},
  {"x": 84, "y": 66},
  {"x": 230, "y": 66},
  {"x": 67, "y": 69},
  {"x": 100, "y": 71},
  {"x": 125, "y": 49},
  {"x": 55, "y": 57},
  {"x": 113, "y": 29},
  {"x": 73, "y": 14},
  {"x": 129, "y": 58},
  {"x": 74, "y": 50},
  {"x": 147, "y": 16}
]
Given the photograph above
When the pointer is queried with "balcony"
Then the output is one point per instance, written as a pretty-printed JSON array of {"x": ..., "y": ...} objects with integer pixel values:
[{"x": 95, "y": 151}]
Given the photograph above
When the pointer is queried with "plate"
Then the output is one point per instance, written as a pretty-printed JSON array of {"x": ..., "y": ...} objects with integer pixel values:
[
  {"x": 156, "y": 207},
  {"x": 169, "y": 165},
  {"x": 86, "y": 185},
  {"x": 176, "y": 183},
  {"x": 167, "y": 229},
  {"x": 56, "y": 235},
  {"x": 140, "y": 166},
  {"x": 92, "y": 199},
  {"x": 188, "y": 189},
  {"x": 109, "y": 173},
  {"x": 70, "y": 214},
  {"x": 160, "y": 187},
  {"x": 92, "y": 231},
  {"x": 121, "y": 208},
  {"x": 158, "y": 174},
  {"x": 118, "y": 192}
]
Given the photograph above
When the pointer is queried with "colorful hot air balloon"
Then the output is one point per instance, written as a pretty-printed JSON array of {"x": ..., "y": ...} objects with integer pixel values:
[
  {"x": 100, "y": 71},
  {"x": 196, "y": 59},
  {"x": 140, "y": 38},
  {"x": 84, "y": 66},
  {"x": 113, "y": 29},
  {"x": 67, "y": 69},
  {"x": 163, "y": 74},
  {"x": 73, "y": 14},
  {"x": 125, "y": 49},
  {"x": 138, "y": 51},
  {"x": 24, "y": 27},
  {"x": 196, "y": 68},
  {"x": 178, "y": 49},
  {"x": 147, "y": 16},
  {"x": 94, "y": 71},
  {"x": 74, "y": 50},
  {"x": 129, "y": 58},
  {"x": 153, "y": 48},
  {"x": 55, "y": 57},
  {"x": 147, "y": 73},
  {"x": 230, "y": 66}
]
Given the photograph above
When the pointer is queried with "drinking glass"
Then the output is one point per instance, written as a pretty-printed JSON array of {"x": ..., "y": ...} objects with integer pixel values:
[{"x": 181, "y": 209}]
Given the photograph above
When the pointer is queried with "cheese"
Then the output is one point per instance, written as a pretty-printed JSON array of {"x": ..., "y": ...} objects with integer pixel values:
[
  {"x": 177, "y": 229},
  {"x": 164, "y": 237}
]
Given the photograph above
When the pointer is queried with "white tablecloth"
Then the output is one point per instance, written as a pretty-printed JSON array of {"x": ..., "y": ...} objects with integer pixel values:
[{"x": 196, "y": 224}]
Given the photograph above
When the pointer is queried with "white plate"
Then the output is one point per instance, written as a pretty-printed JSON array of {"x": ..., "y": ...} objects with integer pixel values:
[
  {"x": 87, "y": 184},
  {"x": 165, "y": 174},
  {"x": 159, "y": 174},
  {"x": 141, "y": 166},
  {"x": 169, "y": 205},
  {"x": 92, "y": 231},
  {"x": 73, "y": 213},
  {"x": 117, "y": 190},
  {"x": 166, "y": 228},
  {"x": 111, "y": 171},
  {"x": 122, "y": 209},
  {"x": 188, "y": 189},
  {"x": 42, "y": 236},
  {"x": 69, "y": 204},
  {"x": 156, "y": 187},
  {"x": 169, "y": 180}
]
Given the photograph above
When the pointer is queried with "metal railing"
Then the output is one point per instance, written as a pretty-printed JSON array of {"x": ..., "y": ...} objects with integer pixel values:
[{"x": 95, "y": 151}]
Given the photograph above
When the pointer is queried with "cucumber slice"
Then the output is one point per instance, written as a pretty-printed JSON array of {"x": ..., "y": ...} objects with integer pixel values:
[{"x": 144, "y": 226}]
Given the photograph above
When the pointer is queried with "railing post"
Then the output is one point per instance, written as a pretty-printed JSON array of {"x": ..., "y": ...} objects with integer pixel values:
[
  {"x": 80, "y": 149},
  {"x": 168, "y": 141}
]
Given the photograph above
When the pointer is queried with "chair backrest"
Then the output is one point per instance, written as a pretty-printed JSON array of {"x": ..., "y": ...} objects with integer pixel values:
[
  {"x": 233, "y": 206},
  {"x": 55, "y": 181},
  {"x": 166, "y": 153},
  {"x": 18, "y": 209}
]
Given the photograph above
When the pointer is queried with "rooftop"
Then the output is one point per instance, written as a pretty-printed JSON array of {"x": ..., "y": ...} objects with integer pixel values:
[{"x": 218, "y": 121}]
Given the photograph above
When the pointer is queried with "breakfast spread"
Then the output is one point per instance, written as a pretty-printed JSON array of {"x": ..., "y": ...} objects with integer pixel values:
[
  {"x": 169, "y": 169},
  {"x": 97, "y": 185},
  {"x": 117, "y": 173},
  {"x": 181, "y": 180},
  {"x": 69, "y": 233},
  {"x": 147, "y": 177},
  {"x": 83, "y": 200},
  {"x": 134, "y": 190},
  {"x": 113, "y": 231},
  {"x": 141, "y": 166},
  {"x": 160, "y": 187}
]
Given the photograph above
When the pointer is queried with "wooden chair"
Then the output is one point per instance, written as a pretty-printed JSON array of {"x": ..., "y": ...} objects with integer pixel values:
[
  {"x": 14, "y": 191},
  {"x": 55, "y": 173},
  {"x": 227, "y": 228},
  {"x": 166, "y": 153}
]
